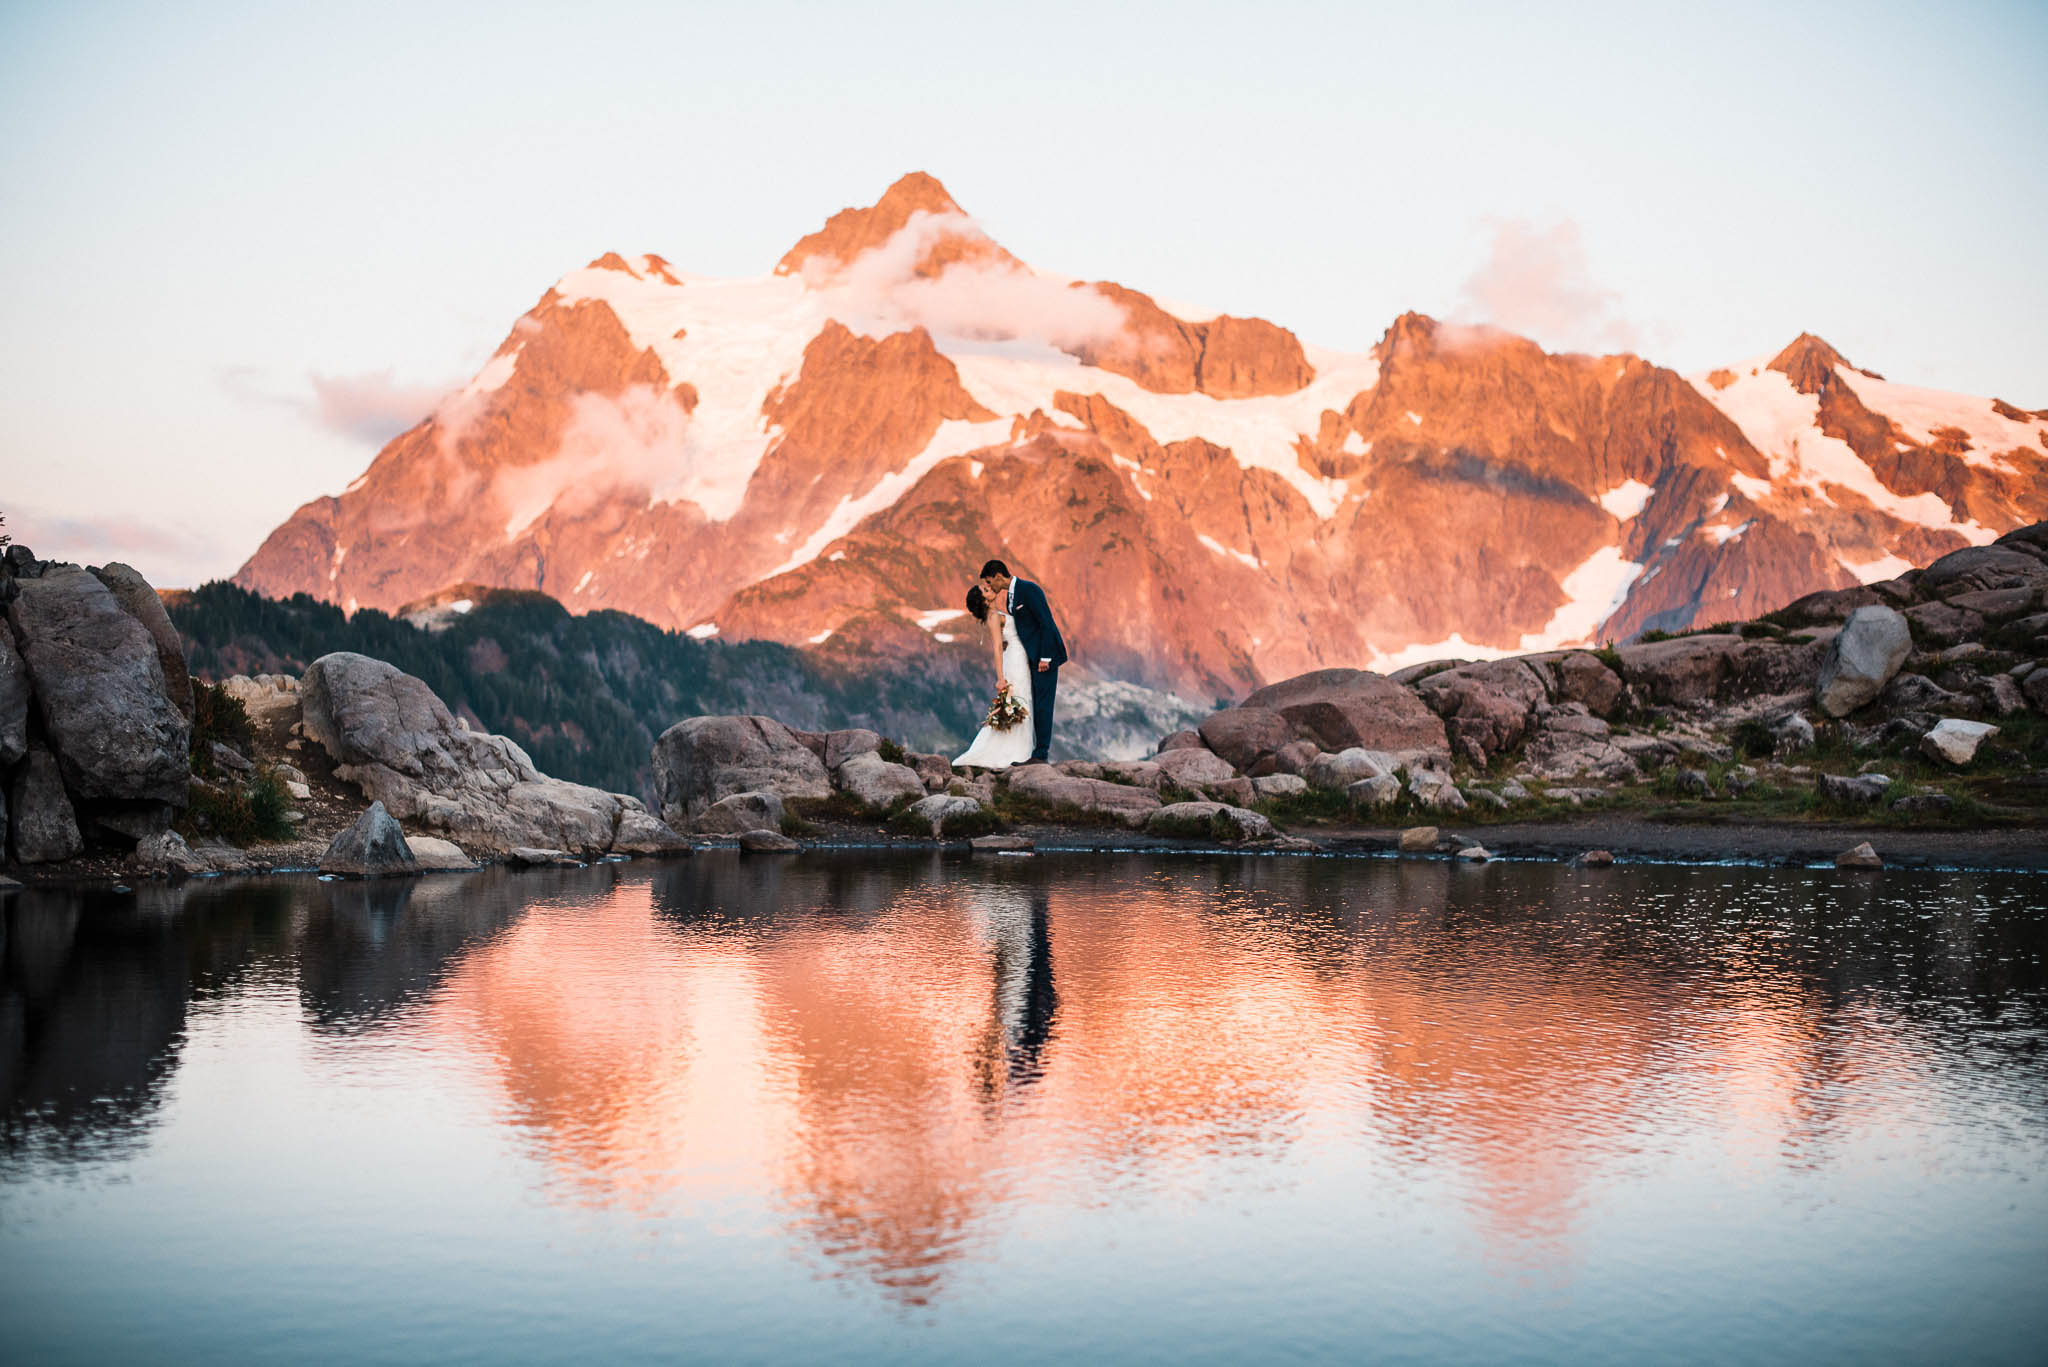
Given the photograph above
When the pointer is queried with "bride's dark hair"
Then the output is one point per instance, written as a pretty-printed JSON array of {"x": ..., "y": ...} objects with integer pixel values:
[{"x": 977, "y": 603}]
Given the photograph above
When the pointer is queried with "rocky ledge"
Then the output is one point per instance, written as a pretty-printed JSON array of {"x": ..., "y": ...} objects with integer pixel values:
[{"x": 1919, "y": 701}]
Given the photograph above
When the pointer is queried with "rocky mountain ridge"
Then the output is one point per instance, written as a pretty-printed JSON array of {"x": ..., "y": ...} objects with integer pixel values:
[{"x": 818, "y": 456}]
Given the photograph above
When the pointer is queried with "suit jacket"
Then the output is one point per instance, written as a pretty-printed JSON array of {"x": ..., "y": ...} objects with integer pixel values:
[{"x": 1035, "y": 626}]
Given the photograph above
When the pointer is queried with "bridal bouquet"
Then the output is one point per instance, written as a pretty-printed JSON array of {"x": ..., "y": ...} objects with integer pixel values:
[{"x": 1005, "y": 712}]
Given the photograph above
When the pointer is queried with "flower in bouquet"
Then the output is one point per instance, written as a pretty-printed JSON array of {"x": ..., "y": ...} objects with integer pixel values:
[{"x": 1005, "y": 712}]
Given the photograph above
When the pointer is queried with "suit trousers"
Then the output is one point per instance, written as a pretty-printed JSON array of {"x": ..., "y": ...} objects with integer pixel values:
[{"x": 1043, "y": 686}]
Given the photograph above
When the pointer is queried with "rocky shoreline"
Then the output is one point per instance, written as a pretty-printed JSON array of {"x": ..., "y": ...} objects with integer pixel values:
[{"x": 1910, "y": 715}]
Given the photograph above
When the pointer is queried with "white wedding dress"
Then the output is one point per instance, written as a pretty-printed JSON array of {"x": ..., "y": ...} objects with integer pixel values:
[{"x": 994, "y": 749}]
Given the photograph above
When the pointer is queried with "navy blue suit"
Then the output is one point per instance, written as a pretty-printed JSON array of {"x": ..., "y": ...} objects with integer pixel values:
[{"x": 1040, "y": 634}]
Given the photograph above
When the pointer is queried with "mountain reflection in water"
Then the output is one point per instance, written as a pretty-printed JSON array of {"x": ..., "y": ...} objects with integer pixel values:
[{"x": 907, "y": 1061}]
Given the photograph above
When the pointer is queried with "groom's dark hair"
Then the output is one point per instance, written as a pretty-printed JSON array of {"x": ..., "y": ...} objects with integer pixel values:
[{"x": 995, "y": 567}]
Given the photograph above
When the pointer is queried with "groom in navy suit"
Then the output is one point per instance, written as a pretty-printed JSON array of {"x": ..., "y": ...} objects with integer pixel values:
[{"x": 1043, "y": 646}]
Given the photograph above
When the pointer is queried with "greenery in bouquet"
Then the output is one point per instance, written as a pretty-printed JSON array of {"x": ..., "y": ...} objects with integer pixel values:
[{"x": 1006, "y": 711}]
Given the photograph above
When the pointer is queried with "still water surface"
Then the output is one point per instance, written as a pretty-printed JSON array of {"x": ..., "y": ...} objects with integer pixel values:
[{"x": 865, "y": 1108}]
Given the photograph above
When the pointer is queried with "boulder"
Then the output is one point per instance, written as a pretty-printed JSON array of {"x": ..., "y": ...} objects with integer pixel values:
[
  {"x": 1372, "y": 793},
  {"x": 767, "y": 842},
  {"x": 1998, "y": 605},
  {"x": 1583, "y": 678},
  {"x": 1998, "y": 696},
  {"x": 1091, "y": 796},
  {"x": 1190, "y": 767},
  {"x": 1294, "y": 756},
  {"x": 760, "y": 810},
  {"x": 1000, "y": 844},
  {"x": 1434, "y": 790},
  {"x": 1480, "y": 719},
  {"x": 1862, "y": 659},
  {"x": 1477, "y": 854},
  {"x": 1279, "y": 785},
  {"x": 100, "y": 690},
  {"x": 391, "y": 737},
  {"x": 940, "y": 808},
  {"x": 841, "y": 746},
  {"x": 373, "y": 847},
  {"x": 1236, "y": 791},
  {"x": 1219, "y": 820},
  {"x": 1346, "y": 767},
  {"x": 1955, "y": 741},
  {"x": 1976, "y": 568},
  {"x": 1791, "y": 734},
  {"x": 1418, "y": 839},
  {"x": 1852, "y": 789},
  {"x": 14, "y": 695},
  {"x": 1342, "y": 708},
  {"x": 1860, "y": 857},
  {"x": 1570, "y": 742},
  {"x": 541, "y": 857},
  {"x": 641, "y": 832},
  {"x": 1248, "y": 737},
  {"x": 167, "y": 852},
  {"x": 1826, "y": 607},
  {"x": 41, "y": 823},
  {"x": 229, "y": 758},
  {"x": 1908, "y": 693},
  {"x": 876, "y": 782},
  {"x": 2034, "y": 687},
  {"x": 1690, "y": 669},
  {"x": 702, "y": 759},
  {"x": 271, "y": 700},
  {"x": 1924, "y": 804},
  {"x": 1183, "y": 740},
  {"x": 1142, "y": 773},
  {"x": 139, "y": 601},
  {"x": 1942, "y": 624},
  {"x": 935, "y": 770},
  {"x": 432, "y": 853},
  {"x": 1595, "y": 859}
]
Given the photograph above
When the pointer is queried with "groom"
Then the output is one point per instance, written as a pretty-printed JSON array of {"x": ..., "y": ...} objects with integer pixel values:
[{"x": 1042, "y": 646}]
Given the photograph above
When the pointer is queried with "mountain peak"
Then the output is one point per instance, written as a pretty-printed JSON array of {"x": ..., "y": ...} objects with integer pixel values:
[
  {"x": 853, "y": 231},
  {"x": 1808, "y": 362}
]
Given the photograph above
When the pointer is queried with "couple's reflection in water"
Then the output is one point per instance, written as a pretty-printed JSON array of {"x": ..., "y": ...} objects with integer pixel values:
[{"x": 892, "y": 1056}]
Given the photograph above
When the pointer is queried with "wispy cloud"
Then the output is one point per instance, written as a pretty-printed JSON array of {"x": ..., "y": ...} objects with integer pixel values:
[
  {"x": 168, "y": 555},
  {"x": 371, "y": 408},
  {"x": 989, "y": 299},
  {"x": 1535, "y": 281}
]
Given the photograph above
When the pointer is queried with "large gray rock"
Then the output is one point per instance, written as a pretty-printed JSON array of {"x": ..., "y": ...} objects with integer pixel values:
[
  {"x": 433, "y": 854},
  {"x": 1852, "y": 789},
  {"x": 940, "y": 808},
  {"x": 1217, "y": 820},
  {"x": 167, "y": 852},
  {"x": 43, "y": 827},
  {"x": 1248, "y": 737},
  {"x": 1690, "y": 669},
  {"x": 139, "y": 601},
  {"x": 1279, "y": 785},
  {"x": 760, "y": 810},
  {"x": 390, "y": 736},
  {"x": 1373, "y": 793},
  {"x": 14, "y": 695},
  {"x": 1193, "y": 767},
  {"x": 1434, "y": 790},
  {"x": 1340, "y": 708},
  {"x": 702, "y": 759},
  {"x": 1865, "y": 654},
  {"x": 1976, "y": 568},
  {"x": 841, "y": 746},
  {"x": 1090, "y": 796},
  {"x": 100, "y": 689},
  {"x": 1346, "y": 767},
  {"x": 374, "y": 847},
  {"x": 1955, "y": 741},
  {"x": 877, "y": 782},
  {"x": 642, "y": 832}
]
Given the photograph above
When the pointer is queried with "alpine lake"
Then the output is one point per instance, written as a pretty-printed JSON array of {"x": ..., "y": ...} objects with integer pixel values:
[{"x": 860, "y": 1106}]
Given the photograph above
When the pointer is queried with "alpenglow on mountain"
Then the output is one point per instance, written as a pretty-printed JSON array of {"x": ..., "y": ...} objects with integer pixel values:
[{"x": 822, "y": 454}]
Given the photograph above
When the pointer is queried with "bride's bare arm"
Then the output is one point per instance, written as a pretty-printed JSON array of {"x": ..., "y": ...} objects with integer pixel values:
[{"x": 995, "y": 646}]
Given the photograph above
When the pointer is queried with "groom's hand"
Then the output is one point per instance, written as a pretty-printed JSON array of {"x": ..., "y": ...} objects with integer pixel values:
[{"x": 1044, "y": 665}]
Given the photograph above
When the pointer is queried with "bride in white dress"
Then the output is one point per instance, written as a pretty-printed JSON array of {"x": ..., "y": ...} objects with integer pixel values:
[{"x": 993, "y": 749}]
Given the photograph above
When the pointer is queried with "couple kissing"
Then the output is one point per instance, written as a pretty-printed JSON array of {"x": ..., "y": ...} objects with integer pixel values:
[{"x": 1027, "y": 650}]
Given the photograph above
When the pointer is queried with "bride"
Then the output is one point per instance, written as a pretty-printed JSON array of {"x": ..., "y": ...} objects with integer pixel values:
[{"x": 993, "y": 749}]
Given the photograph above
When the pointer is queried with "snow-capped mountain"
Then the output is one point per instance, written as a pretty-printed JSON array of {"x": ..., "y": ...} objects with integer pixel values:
[{"x": 823, "y": 454}]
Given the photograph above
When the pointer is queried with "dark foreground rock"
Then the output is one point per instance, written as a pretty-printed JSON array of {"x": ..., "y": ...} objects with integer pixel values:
[{"x": 374, "y": 847}]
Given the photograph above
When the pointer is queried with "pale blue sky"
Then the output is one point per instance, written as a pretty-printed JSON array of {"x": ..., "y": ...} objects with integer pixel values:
[{"x": 203, "y": 206}]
